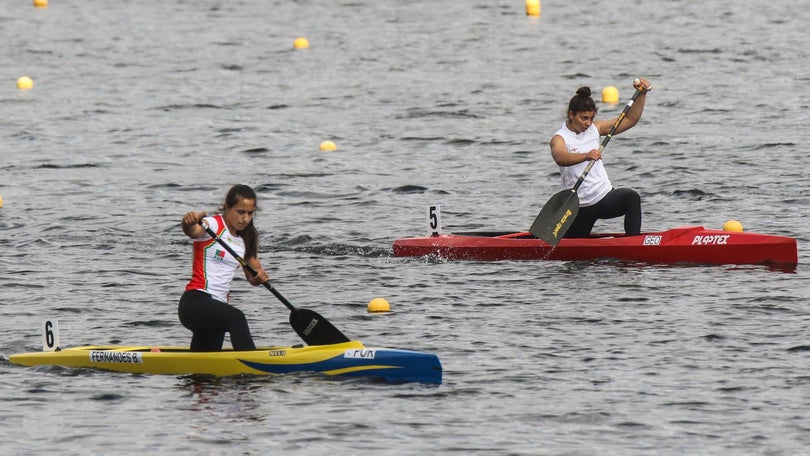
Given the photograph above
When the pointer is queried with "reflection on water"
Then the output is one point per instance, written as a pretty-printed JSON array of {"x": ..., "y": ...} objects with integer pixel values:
[{"x": 231, "y": 398}]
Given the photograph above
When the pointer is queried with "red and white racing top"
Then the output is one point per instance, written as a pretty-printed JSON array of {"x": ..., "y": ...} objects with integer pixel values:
[{"x": 212, "y": 267}]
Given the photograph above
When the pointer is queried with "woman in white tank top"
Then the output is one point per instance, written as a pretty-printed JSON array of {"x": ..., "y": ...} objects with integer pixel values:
[{"x": 576, "y": 143}]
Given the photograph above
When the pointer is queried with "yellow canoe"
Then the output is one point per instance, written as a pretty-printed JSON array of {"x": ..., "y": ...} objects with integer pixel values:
[{"x": 349, "y": 359}]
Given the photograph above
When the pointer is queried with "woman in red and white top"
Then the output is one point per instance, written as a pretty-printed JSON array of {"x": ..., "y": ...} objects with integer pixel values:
[{"x": 204, "y": 307}]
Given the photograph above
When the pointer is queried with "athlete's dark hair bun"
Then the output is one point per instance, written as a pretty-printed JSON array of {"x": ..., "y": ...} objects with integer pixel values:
[{"x": 584, "y": 92}]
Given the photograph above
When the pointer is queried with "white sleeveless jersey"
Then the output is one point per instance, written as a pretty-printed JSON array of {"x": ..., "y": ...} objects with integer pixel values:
[
  {"x": 212, "y": 266},
  {"x": 596, "y": 184}
]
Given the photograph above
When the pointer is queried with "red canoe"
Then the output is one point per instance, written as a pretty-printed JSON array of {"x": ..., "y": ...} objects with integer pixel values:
[{"x": 691, "y": 244}]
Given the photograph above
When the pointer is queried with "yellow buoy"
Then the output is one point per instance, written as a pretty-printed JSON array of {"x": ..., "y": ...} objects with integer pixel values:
[
  {"x": 25, "y": 83},
  {"x": 328, "y": 146},
  {"x": 41, "y": 3},
  {"x": 1, "y": 201},
  {"x": 733, "y": 225},
  {"x": 301, "y": 43},
  {"x": 532, "y": 7},
  {"x": 378, "y": 305},
  {"x": 610, "y": 94}
]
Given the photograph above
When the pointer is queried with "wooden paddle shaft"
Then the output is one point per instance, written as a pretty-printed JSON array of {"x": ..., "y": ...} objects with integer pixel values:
[{"x": 311, "y": 326}]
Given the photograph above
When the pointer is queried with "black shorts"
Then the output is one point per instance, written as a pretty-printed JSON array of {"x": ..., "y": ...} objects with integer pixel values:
[
  {"x": 209, "y": 320},
  {"x": 617, "y": 202}
]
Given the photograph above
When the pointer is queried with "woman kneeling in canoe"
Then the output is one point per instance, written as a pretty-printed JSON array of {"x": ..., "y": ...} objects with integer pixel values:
[
  {"x": 204, "y": 307},
  {"x": 576, "y": 143}
]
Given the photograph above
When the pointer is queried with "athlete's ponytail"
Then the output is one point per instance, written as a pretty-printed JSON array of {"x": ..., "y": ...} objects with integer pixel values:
[{"x": 250, "y": 235}]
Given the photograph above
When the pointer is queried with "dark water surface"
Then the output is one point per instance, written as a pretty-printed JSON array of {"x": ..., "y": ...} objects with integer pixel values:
[{"x": 144, "y": 110}]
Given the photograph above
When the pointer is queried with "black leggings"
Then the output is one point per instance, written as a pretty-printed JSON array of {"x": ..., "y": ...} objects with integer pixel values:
[
  {"x": 209, "y": 320},
  {"x": 616, "y": 203}
]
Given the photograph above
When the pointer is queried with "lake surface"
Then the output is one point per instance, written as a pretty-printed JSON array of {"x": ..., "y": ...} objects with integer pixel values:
[{"x": 142, "y": 111}]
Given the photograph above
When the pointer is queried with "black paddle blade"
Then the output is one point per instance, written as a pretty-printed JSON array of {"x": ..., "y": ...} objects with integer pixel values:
[
  {"x": 314, "y": 329},
  {"x": 556, "y": 217}
]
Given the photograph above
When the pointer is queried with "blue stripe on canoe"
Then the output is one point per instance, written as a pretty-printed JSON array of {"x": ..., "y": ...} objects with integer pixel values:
[{"x": 390, "y": 365}]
